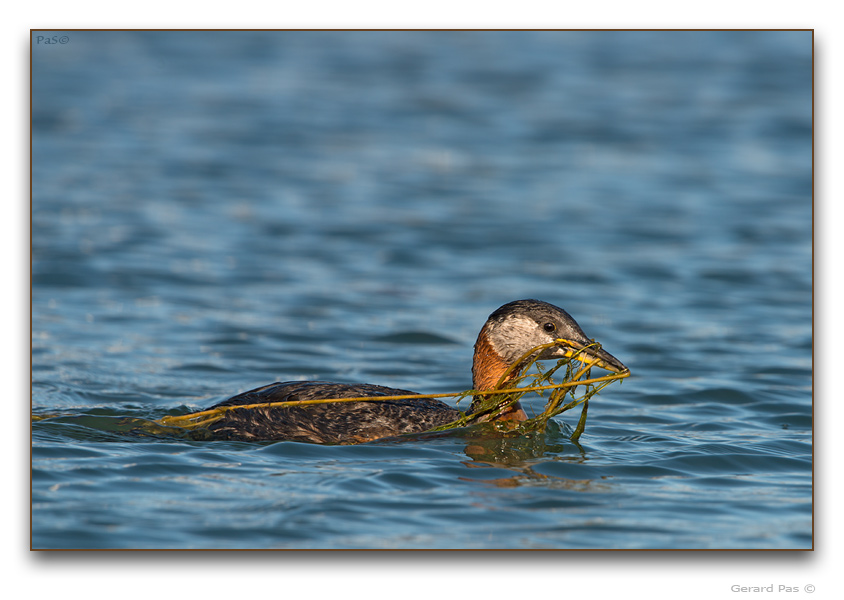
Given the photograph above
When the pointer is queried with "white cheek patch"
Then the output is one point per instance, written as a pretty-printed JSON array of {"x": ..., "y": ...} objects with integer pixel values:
[{"x": 516, "y": 335}]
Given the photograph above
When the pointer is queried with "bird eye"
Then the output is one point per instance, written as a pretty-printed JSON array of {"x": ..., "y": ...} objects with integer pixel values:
[{"x": 549, "y": 327}]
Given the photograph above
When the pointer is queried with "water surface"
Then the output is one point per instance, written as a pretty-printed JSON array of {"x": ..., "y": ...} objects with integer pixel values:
[{"x": 216, "y": 211}]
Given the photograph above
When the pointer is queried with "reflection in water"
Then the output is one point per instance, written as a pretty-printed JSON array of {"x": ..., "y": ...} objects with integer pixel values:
[
  {"x": 509, "y": 449},
  {"x": 526, "y": 476},
  {"x": 491, "y": 449}
]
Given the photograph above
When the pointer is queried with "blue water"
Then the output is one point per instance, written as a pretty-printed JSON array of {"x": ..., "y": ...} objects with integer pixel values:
[{"x": 213, "y": 211}]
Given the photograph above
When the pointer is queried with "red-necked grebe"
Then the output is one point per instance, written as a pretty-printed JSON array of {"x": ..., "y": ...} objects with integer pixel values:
[{"x": 508, "y": 334}]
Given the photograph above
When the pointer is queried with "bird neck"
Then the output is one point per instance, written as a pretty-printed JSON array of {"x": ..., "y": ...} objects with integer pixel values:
[{"x": 487, "y": 369}]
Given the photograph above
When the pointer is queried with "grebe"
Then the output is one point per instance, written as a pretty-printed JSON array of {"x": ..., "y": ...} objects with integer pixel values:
[{"x": 508, "y": 334}]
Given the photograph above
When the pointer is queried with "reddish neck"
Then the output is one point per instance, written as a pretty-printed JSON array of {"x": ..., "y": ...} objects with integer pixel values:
[{"x": 487, "y": 369}]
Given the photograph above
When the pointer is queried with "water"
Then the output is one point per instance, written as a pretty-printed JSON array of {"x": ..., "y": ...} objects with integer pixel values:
[{"x": 216, "y": 211}]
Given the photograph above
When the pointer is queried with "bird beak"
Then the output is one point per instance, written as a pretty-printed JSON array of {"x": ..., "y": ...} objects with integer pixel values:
[{"x": 592, "y": 355}]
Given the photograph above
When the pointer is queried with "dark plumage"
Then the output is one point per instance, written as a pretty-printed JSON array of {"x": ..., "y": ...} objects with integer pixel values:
[{"x": 336, "y": 423}]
